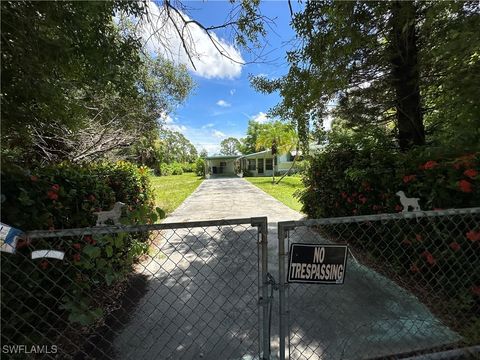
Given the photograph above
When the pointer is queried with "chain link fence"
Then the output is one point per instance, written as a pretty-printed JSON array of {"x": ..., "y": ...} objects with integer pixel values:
[
  {"x": 164, "y": 291},
  {"x": 411, "y": 285}
]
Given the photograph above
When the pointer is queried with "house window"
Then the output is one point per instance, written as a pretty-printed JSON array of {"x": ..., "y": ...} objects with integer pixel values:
[
  {"x": 290, "y": 157},
  {"x": 251, "y": 164},
  {"x": 268, "y": 164}
]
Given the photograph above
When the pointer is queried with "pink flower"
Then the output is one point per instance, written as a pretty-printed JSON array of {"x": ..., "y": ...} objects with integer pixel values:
[
  {"x": 454, "y": 246},
  {"x": 55, "y": 187},
  {"x": 473, "y": 235},
  {"x": 429, "y": 257},
  {"x": 471, "y": 173},
  {"x": 408, "y": 178},
  {"x": 362, "y": 198},
  {"x": 52, "y": 195},
  {"x": 465, "y": 186},
  {"x": 431, "y": 164},
  {"x": 398, "y": 208}
]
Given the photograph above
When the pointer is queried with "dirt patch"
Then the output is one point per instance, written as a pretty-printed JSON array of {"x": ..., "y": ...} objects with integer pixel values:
[{"x": 99, "y": 344}]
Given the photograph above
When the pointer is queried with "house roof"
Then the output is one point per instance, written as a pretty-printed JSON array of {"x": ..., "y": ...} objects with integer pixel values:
[
  {"x": 264, "y": 152},
  {"x": 222, "y": 157}
]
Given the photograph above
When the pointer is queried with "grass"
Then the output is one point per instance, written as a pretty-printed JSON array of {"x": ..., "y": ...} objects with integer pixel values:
[
  {"x": 283, "y": 191},
  {"x": 170, "y": 191}
]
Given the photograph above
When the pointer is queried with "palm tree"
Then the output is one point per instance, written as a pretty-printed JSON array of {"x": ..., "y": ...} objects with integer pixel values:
[{"x": 278, "y": 137}]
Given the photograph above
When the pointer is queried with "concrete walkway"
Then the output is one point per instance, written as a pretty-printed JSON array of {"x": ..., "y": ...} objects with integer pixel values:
[{"x": 201, "y": 301}]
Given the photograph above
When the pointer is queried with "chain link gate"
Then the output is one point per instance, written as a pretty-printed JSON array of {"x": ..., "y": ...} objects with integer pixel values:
[
  {"x": 194, "y": 290},
  {"x": 411, "y": 285}
]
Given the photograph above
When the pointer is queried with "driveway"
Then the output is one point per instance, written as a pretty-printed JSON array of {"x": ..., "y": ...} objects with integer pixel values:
[{"x": 201, "y": 300}]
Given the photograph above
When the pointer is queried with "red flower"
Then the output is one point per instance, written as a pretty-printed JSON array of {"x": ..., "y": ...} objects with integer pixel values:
[
  {"x": 471, "y": 173},
  {"x": 418, "y": 237},
  {"x": 349, "y": 200},
  {"x": 408, "y": 178},
  {"x": 52, "y": 195},
  {"x": 429, "y": 257},
  {"x": 414, "y": 268},
  {"x": 465, "y": 186},
  {"x": 55, "y": 187},
  {"x": 33, "y": 178},
  {"x": 431, "y": 164},
  {"x": 76, "y": 257},
  {"x": 77, "y": 246},
  {"x": 88, "y": 239},
  {"x": 362, "y": 198},
  {"x": 43, "y": 264},
  {"x": 475, "y": 290},
  {"x": 454, "y": 246},
  {"x": 473, "y": 235},
  {"x": 398, "y": 208}
]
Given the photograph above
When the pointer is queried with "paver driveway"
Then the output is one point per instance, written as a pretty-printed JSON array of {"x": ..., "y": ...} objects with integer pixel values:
[{"x": 197, "y": 307}]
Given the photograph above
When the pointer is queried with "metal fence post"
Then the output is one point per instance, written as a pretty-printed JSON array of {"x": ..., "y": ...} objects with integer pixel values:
[
  {"x": 283, "y": 227},
  {"x": 262, "y": 225}
]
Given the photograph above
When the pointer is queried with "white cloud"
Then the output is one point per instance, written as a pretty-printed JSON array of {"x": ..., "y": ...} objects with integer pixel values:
[
  {"x": 223, "y": 103},
  {"x": 177, "y": 128},
  {"x": 261, "y": 118},
  {"x": 233, "y": 91},
  {"x": 171, "y": 124},
  {"x": 161, "y": 37},
  {"x": 168, "y": 119},
  {"x": 218, "y": 134},
  {"x": 209, "y": 125}
]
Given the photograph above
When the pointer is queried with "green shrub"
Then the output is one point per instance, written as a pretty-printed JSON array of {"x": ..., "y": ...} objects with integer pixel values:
[
  {"x": 352, "y": 180},
  {"x": 165, "y": 169},
  {"x": 200, "y": 167},
  {"x": 188, "y": 167},
  {"x": 63, "y": 197},
  {"x": 177, "y": 168},
  {"x": 171, "y": 169}
]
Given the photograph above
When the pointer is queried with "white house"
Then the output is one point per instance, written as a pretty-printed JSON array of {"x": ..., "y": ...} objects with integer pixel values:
[
  {"x": 221, "y": 165},
  {"x": 257, "y": 164}
]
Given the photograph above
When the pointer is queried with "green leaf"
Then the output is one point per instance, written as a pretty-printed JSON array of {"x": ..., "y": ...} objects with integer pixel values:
[{"x": 109, "y": 250}]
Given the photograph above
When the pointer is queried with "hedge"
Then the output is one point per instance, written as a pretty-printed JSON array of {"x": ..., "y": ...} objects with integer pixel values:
[
  {"x": 37, "y": 294},
  {"x": 350, "y": 181}
]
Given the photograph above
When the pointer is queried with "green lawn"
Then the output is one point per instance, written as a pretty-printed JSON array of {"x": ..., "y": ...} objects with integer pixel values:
[
  {"x": 170, "y": 191},
  {"x": 283, "y": 191}
]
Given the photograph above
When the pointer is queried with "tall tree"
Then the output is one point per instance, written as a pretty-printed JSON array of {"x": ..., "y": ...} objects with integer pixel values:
[
  {"x": 229, "y": 146},
  {"x": 76, "y": 86},
  {"x": 280, "y": 138},
  {"x": 369, "y": 60},
  {"x": 249, "y": 142}
]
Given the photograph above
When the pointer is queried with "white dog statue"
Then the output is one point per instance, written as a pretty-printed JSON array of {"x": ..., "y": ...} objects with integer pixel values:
[
  {"x": 114, "y": 215},
  {"x": 408, "y": 202}
]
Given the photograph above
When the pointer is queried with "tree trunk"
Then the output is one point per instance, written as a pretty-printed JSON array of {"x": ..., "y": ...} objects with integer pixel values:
[
  {"x": 290, "y": 169},
  {"x": 405, "y": 75},
  {"x": 273, "y": 170}
]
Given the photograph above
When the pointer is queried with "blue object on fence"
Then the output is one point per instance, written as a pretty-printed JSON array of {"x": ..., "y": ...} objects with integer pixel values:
[{"x": 8, "y": 238}]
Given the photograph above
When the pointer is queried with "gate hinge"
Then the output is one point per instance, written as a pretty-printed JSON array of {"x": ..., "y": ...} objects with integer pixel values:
[{"x": 271, "y": 281}]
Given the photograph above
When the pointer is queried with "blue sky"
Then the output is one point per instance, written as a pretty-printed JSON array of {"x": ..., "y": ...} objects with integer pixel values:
[{"x": 223, "y": 101}]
